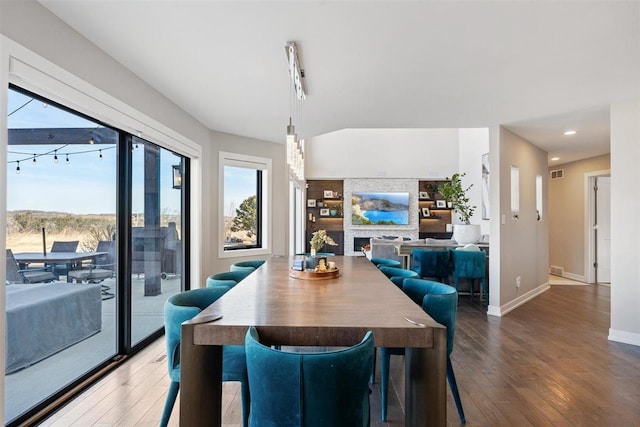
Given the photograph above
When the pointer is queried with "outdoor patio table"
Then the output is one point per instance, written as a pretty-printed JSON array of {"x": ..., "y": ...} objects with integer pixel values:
[{"x": 73, "y": 260}]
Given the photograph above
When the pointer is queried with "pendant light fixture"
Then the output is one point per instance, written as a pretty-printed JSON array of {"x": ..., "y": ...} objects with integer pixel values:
[{"x": 295, "y": 156}]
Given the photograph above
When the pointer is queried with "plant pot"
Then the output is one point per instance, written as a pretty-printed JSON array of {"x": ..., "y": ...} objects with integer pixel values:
[{"x": 464, "y": 234}]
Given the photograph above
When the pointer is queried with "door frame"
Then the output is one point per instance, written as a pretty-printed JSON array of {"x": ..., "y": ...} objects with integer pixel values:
[{"x": 589, "y": 218}]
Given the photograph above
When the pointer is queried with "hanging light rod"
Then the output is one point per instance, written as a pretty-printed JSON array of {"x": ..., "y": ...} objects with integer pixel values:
[{"x": 295, "y": 69}]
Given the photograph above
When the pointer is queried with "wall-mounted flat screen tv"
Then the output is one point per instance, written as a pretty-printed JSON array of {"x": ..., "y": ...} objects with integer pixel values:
[{"x": 380, "y": 208}]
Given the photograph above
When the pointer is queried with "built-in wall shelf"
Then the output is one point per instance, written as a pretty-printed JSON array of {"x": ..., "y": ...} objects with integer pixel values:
[
  {"x": 325, "y": 211},
  {"x": 434, "y": 214}
]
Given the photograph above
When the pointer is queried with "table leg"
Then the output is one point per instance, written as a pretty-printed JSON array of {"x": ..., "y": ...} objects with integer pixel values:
[
  {"x": 200, "y": 382},
  {"x": 425, "y": 383}
]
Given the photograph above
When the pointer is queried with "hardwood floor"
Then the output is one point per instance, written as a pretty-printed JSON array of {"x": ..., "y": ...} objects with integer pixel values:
[{"x": 545, "y": 363}]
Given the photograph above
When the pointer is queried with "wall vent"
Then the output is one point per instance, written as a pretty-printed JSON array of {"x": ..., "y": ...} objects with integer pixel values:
[
  {"x": 556, "y": 271},
  {"x": 557, "y": 174}
]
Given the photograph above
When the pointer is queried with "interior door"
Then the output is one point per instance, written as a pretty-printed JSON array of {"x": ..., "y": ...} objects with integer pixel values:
[{"x": 603, "y": 230}]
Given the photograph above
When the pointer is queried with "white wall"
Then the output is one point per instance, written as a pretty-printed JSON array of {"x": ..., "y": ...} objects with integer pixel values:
[
  {"x": 523, "y": 242},
  {"x": 625, "y": 227},
  {"x": 382, "y": 153}
]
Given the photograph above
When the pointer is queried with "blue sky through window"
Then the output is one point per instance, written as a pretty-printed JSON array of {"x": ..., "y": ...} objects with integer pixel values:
[{"x": 83, "y": 185}]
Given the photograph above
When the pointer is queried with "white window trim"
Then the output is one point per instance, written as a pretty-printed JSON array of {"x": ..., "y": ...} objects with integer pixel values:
[{"x": 235, "y": 159}]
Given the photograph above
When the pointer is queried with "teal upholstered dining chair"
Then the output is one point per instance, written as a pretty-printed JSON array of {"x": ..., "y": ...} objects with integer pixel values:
[
  {"x": 398, "y": 275},
  {"x": 470, "y": 264},
  {"x": 309, "y": 389},
  {"x": 185, "y": 306},
  {"x": 439, "y": 301},
  {"x": 250, "y": 265},
  {"x": 227, "y": 278},
  {"x": 379, "y": 262},
  {"x": 431, "y": 264}
]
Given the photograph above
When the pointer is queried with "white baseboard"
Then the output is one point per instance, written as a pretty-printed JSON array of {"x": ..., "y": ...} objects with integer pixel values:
[
  {"x": 500, "y": 311},
  {"x": 572, "y": 276},
  {"x": 624, "y": 337}
]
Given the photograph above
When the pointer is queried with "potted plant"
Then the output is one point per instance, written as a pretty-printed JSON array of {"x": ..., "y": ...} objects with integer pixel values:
[
  {"x": 455, "y": 194},
  {"x": 318, "y": 240}
]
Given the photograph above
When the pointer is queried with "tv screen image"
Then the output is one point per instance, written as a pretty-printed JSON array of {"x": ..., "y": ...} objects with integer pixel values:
[{"x": 380, "y": 208}]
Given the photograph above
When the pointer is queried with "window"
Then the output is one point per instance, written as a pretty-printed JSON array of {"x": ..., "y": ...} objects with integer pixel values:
[
  {"x": 244, "y": 209},
  {"x": 539, "y": 197},
  {"x": 515, "y": 192}
]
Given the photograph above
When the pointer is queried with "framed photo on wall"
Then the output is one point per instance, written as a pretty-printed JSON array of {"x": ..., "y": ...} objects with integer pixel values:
[
  {"x": 328, "y": 194},
  {"x": 311, "y": 203}
]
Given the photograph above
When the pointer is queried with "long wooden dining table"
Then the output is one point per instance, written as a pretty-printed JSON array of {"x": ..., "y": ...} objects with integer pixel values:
[{"x": 333, "y": 312}]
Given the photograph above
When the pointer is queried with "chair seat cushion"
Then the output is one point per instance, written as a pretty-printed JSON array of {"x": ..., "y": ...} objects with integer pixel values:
[
  {"x": 91, "y": 274},
  {"x": 39, "y": 276}
]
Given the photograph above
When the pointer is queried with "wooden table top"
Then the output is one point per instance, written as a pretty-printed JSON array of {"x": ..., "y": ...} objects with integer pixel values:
[{"x": 333, "y": 312}]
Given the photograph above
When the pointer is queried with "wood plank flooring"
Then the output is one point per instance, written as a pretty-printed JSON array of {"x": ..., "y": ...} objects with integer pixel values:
[{"x": 547, "y": 363}]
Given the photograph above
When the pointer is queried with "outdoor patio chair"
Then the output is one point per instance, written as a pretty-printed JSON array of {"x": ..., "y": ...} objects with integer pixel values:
[
  {"x": 103, "y": 268},
  {"x": 32, "y": 275},
  {"x": 62, "y": 246}
]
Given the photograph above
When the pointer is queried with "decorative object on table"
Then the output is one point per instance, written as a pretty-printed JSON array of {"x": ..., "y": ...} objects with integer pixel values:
[
  {"x": 298, "y": 264},
  {"x": 319, "y": 239},
  {"x": 441, "y": 203},
  {"x": 311, "y": 262},
  {"x": 320, "y": 204},
  {"x": 313, "y": 274},
  {"x": 333, "y": 212},
  {"x": 324, "y": 212},
  {"x": 453, "y": 192},
  {"x": 426, "y": 213},
  {"x": 311, "y": 203},
  {"x": 423, "y": 195}
]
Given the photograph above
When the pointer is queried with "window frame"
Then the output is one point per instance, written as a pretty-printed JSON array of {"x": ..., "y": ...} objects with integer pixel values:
[{"x": 264, "y": 197}]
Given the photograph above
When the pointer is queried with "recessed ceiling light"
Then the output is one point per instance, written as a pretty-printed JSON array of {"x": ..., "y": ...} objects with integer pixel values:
[
  {"x": 555, "y": 158},
  {"x": 570, "y": 132}
]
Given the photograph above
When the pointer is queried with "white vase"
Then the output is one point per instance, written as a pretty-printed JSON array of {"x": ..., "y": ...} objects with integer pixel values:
[{"x": 464, "y": 234}]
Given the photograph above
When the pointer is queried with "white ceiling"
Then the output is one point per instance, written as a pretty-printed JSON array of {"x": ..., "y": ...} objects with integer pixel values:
[{"x": 536, "y": 67}]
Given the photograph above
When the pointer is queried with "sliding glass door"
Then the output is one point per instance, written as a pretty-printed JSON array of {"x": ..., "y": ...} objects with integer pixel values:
[
  {"x": 95, "y": 237},
  {"x": 156, "y": 244}
]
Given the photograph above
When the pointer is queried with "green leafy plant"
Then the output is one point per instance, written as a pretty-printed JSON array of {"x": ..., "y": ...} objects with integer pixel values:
[
  {"x": 319, "y": 239},
  {"x": 454, "y": 193}
]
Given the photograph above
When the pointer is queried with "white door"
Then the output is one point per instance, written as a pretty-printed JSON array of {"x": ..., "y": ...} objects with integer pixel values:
[{"x": 603, "y": 230}]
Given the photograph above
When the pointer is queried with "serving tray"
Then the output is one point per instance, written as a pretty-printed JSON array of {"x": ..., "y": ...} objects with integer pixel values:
[{"x": 314, "y": 275}]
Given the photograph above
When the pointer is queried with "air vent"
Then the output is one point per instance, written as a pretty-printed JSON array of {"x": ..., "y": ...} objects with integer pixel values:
[
  {"x": 557, "y": 174},
  {"x": 556, "y": 271}
]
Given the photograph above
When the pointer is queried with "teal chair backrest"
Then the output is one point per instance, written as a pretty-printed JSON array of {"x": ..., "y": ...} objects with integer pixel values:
[
  {"x": 438, "y": 300},
  {"x": 178, "y": 309},
  {"x": 309, "y": 389},
  {"x": 254, "y": 263},
  {"x": 431, "y": 263},
  {"x": 469, "y": 264},
  {"x": 227, "y": 278}
]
